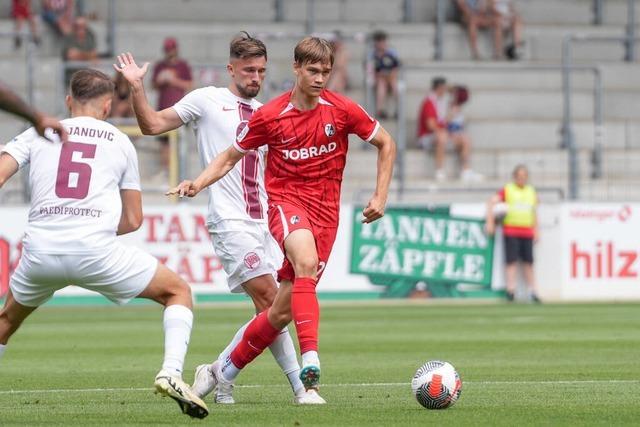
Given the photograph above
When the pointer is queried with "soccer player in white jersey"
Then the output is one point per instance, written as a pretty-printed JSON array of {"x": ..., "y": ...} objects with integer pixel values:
[
  {"x": 84, "y": 193},
  {"x": 237, "y": 219}
]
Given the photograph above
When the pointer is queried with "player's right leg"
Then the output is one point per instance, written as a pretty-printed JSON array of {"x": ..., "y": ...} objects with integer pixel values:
[
  {"x": 300, "y": 248},
  {"x": 11, "y": 317}
]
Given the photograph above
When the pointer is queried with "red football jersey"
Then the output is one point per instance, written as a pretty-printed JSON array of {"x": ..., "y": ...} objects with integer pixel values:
[{"x": 307, "y": 150}]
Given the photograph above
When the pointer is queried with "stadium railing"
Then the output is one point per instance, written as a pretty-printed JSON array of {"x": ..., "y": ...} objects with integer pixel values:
[
  {"x": 597, "y": 7},
  {"x": 515, "y": 68},
  {"x": 567, "y": 66}
]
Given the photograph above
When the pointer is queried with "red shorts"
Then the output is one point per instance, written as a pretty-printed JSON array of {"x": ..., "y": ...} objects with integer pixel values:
[{"x": 285, "y": 218}]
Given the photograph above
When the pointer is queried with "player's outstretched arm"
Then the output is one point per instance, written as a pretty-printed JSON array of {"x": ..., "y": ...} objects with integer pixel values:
[
  {"x": 217, "y": 168},
  {"x": 8, "y": 167},
  {"x": 386, "y": 158},
  {"x": 12, "y": 103},
  {"x": 151, "y": 122}
]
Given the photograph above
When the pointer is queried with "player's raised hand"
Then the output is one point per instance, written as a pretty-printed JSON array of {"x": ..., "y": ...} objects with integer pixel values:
[
  {"x": 374, "y": 210},
  {"x": 129, "y": 69},
  {"x": 185, "y": 188}
]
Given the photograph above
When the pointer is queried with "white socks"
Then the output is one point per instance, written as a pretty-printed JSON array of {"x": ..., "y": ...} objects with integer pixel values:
[
  {"x": 229, "y": 370},
  {"x": 3, "y": 347},
  {"x": 234, "y": 342},
  {"x": 285, "y": 354},
  {"x": 282, "y": 349},
  {"x": 178, "y": 320},
  {"x": 310, "y": 358}
]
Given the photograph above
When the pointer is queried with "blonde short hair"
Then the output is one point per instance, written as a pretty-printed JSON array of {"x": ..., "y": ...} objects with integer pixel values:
[{"x": 313, "y": 49}]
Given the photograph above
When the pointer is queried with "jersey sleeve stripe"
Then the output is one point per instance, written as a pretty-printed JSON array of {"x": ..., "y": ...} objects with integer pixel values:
[
  {"x": 239, "y": 148},
  {"x": 373, "y": 134}
]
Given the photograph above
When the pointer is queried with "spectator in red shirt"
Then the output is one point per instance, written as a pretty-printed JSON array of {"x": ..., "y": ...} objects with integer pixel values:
[
  {"x": 433, "y": 131},
  {"x": 21, "y": 11},
  {"x": 172, "y": 79}
]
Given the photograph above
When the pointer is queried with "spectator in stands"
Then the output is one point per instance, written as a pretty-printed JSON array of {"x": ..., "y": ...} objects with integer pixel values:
[
  {"x": 121, "y": 105},
  {"x": 507, "y": 19},
  {"x": 386, "y": 65},
  {"x": 79, "y": 45},
  {"x": 172, "y": 79},
  {"x": 339, "y": 78},
  {"x": 58, "y": 14},
  {"x": 478, "y": 14},
  {"x": 520, "y": 228},
  {"x": 439, "y": 121},
  {"x": 21, "y": 11}
]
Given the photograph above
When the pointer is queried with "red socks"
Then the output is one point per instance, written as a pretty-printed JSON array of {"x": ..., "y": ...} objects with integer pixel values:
[
  {"x": 305, "y": 312},
  {"x": 258, "y": 336}
]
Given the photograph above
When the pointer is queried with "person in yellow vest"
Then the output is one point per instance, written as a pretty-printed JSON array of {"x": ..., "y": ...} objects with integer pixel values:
[{"x": 519, "y": 226}]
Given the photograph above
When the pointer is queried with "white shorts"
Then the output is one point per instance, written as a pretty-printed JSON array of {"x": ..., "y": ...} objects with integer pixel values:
[
  {"x": 246, "y": 250},
  {"x": 120, "y": 274}
]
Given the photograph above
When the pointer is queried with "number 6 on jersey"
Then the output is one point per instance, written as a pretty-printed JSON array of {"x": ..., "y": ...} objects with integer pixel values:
[{"x": 68, "y": 169}]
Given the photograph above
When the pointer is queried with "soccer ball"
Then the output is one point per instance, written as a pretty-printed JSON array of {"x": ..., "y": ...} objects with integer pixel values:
[{"x": 436, "y": 385}]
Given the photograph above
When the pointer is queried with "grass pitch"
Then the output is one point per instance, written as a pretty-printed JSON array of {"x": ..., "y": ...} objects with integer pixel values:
[{"x": 524, "y": 365}]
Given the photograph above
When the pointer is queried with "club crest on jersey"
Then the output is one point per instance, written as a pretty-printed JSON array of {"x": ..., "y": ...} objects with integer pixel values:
[
  {"x": 329, "y": 130},
  {"x": 295, "y": 219},
  {"x": 252, "y": 260},
  {"x": 242, "y": 130}
]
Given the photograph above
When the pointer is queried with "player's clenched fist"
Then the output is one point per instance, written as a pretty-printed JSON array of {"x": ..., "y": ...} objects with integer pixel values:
[
  {"x": 373, "y": 211},
  {"x": 185, "y": 188}
]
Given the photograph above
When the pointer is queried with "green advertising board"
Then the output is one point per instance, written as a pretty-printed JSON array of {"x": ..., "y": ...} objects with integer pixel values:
[{"x": 412, "y": 245}]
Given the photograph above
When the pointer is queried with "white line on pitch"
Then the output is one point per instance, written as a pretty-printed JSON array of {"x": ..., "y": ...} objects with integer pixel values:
[{"x": 405, "y": 384}]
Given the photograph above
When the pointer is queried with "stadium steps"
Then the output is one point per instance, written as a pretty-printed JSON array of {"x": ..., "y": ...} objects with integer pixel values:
[
  {"x": 618, "y": 164},
  {"x": 550, "y": 12}
]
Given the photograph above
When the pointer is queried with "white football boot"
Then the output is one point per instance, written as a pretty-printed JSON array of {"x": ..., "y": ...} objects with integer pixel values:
[
  {"x": 224, "y": 390},
  {"x": 171, "y": 385},
  {"x": 308, "y": 397},
  {"x": 204, "y": 382}
]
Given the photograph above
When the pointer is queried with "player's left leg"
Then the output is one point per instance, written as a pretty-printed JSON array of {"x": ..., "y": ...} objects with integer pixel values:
[
  {"x": 124, "y": 273},
  {"x": 168, "y": 289},
  {"x": 262, "y": 290},
  {"x": 300, "y": 247},
  {"x": 11, "y": 317}
]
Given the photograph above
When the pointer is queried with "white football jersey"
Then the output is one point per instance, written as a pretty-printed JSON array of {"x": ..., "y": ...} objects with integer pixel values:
[
  {"x": 218, "y": 117},
  {"x": 75, "y": 187}
]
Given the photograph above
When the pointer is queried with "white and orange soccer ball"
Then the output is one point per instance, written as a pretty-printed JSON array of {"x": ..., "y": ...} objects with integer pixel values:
[{"x": 436, "y": 385}]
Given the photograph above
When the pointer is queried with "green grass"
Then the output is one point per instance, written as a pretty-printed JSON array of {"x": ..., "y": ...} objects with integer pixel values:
[{"x": 524, "y": 365}]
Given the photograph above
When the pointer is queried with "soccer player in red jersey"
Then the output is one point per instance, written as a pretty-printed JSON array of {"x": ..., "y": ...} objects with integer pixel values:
[{"x": 306, "y": 131}]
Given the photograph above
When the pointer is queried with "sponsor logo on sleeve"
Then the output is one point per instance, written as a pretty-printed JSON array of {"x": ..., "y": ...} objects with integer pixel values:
[{"x": 241, "y": 132}]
